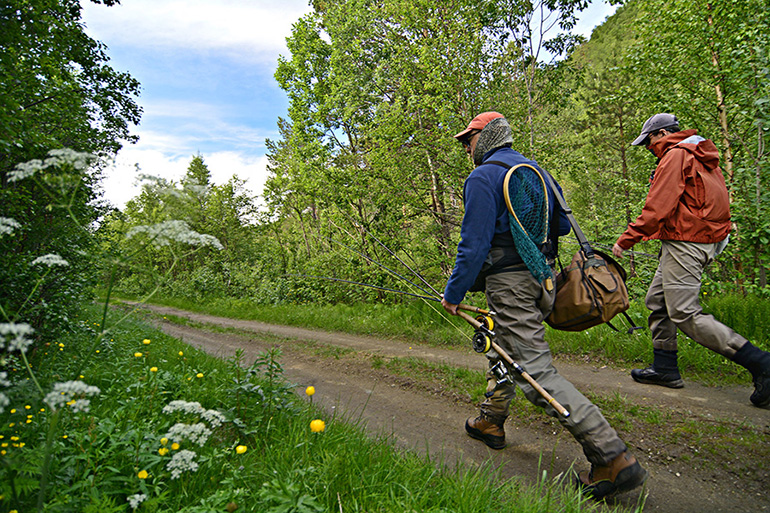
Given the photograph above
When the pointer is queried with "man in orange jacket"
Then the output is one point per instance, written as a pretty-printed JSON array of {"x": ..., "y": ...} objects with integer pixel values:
[{"x": 687, "y": 208}]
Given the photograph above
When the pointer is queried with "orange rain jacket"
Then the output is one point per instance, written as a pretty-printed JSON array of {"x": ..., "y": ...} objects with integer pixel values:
[{"x": 688, "y": 199}]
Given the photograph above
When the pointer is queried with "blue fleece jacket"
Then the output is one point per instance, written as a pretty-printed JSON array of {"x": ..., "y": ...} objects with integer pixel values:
[{"x": 485, "y": 216}]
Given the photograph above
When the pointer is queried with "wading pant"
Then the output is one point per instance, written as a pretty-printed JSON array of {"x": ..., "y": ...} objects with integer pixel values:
[
  {"x": 522, "y": 304},
  {"x": 673, "y": 300}
]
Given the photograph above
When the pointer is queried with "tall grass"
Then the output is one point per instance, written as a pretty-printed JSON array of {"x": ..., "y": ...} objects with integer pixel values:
[{"x": 263, "y": 457}]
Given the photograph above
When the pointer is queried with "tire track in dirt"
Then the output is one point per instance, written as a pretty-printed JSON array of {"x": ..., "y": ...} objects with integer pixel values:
[{"x": 431, "y": 422}]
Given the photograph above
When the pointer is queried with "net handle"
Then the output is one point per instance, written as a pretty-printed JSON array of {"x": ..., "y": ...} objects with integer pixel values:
[{"x": 506, "y": 193}]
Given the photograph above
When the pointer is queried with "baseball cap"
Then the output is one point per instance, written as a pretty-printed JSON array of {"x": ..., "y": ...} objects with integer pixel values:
[
  {"x": 479, "y": 122},
  {"x": 654, "y": 124}
]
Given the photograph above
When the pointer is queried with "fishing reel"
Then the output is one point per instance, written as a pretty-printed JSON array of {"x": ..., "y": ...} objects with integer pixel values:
[{"x": 482, "y": 337}]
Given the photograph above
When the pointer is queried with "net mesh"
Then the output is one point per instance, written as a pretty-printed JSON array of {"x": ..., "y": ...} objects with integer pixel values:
[{"x": 527, "y": 201}]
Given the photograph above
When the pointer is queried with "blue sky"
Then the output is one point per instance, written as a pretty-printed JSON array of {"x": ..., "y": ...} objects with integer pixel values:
[{"x": 206, "y": 69}]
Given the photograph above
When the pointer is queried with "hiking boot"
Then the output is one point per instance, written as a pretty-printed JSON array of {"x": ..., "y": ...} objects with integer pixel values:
[
  {"x": 620, "y": 475},
  {"x": 650, "y": 376},
  {"x": 488, "y": 432},
  {"x": 761, "y": 395}
]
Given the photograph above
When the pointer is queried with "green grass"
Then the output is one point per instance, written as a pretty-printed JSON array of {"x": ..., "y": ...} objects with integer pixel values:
[{"x": 100, "y": 457}]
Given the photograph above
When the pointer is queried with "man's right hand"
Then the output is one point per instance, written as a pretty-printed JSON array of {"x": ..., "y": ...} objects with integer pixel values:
[
  {"x": 449, "y": 307},
  {"x": 617, "y": 251}
]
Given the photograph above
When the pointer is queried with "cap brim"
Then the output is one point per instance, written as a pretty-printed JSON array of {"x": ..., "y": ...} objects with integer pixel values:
[
  {"x": 639, "y": 140},
  {"x": 462, "y": 134}
]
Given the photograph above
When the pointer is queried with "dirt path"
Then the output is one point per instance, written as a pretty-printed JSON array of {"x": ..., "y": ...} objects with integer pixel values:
[{"x": 694, "y": 476}]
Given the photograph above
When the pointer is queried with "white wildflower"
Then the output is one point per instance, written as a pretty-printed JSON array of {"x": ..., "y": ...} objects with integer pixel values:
[
  {"x": 135, "y": 500},
  {"x": 8, "y": 225},
  {"x": 197, "y": 433},
  {"x": 56, "y": 158},
  {"x": 182, "y": 461},
  {"x": 50, "y": 260},
  {"x": 213, "y": 417},
  {"x": 4, "y": 401},
  {"x": 162, "y": 234},
  {"x": 71, "y": 393},
  {"x": 16, "y": 335}
]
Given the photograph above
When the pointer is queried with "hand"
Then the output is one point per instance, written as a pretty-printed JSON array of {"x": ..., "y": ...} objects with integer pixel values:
[
  {"x": 449, "y": 307},
  {"x": 617, "y": 251}
]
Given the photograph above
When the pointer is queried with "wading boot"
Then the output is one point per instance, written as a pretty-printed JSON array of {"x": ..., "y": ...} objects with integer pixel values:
[
  {"x": 622, "y": 474},
  {"x": 757, "y": 362},
  {"x": 663, "y": 371},
  {"x": 489, "y": 432}
]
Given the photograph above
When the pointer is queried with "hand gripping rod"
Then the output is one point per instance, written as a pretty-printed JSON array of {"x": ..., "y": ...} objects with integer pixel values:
[{"x": 518, "y": 368}]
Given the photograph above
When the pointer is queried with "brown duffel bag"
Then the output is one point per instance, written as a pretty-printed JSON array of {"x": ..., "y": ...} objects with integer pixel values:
[{"x": 590, "y": 291}]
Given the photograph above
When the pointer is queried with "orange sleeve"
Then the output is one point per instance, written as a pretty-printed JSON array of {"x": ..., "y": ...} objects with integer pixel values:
[{"x": 662, "y": 199}]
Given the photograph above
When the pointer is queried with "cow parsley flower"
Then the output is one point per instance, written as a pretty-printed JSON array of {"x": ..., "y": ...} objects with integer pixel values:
[
  {"x": 162, "y": 234},
  {"x": 16, "y": 336},
  {"x": 197, "y": 433},
  {"x": 71, "y": 393},
  {"x": 8, "y": 225},
  {"x": 50, "y": 260},
  {"x": 56, "y": 158},
  {"x": 135, "y": 500},
  {"x": 213, "y": 417},
  {"x": 182, "y": 461}
]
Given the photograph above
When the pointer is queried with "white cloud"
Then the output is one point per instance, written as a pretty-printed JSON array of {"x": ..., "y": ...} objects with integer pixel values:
[
  {"x": 255, "y": 29},
  {"x": 121, "y": 184}
]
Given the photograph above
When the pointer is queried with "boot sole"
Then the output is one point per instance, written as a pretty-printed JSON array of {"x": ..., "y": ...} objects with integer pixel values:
[
  {"x": 677, "y": 383},
  {"x": 478, "y": 435}
]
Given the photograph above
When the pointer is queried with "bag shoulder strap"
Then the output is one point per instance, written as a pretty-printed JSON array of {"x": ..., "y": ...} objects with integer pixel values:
[{"x": 584, "y": 244}]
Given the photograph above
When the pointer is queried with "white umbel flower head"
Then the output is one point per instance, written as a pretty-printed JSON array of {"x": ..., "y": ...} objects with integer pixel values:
[
  {"x": 182, "y": 461},
  {"x": 71, "y": 393},
  {"x": 50, "y": 260},
  {"x": 163, "y": 234},
  {"x": 8, "y": 225},
  {"x": 16, "y": 336}
]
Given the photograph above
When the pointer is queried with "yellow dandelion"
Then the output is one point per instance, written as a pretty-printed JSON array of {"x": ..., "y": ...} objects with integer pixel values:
[
  {"x": 146, "y": 341},
  {"x": 81, "y": 376},
  {"x": 138, "y": 354},
  {"x": 163, "y": 441},
  {"x": 42, "y": 410},
  {"x": 3, "y": 452},
  {"x": 175, "y": 446},
  {"x": 241, "y": 449},
  {"x": 13, "y": 410},
  {"x": 317, "y": 425},
  {"x": 142, "y": 474},
  {"x": 153, "y": 369},
  {"x": 28, "y": 407},
  {"x": 310, "y": 390},
  {"x": 14, "y": 439},
  {"x": 65, "y": 436},
  {"x": 181, "y": 353},
  {"x": 199, "y": 375},
  {"x": 97, "y": 351},
  {"x": 163, "y": 451}
]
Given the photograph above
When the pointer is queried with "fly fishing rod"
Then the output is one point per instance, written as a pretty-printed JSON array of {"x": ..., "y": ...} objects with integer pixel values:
[
  {"x": 482, "y": 343},
  {"x": 468, "y": 308}
]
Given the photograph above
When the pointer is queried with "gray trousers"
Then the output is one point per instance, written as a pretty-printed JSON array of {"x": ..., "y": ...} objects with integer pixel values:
[
  {"x": 673, "y": 300},
  {"x": 522, "y": 304}
]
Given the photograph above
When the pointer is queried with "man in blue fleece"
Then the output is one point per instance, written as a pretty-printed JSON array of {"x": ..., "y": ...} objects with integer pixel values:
[{"x": 487, "y": 260}]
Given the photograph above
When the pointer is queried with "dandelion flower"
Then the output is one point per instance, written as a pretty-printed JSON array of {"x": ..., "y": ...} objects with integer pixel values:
[
  {"x": 175, "y": 446},
  {"x": 181, "y": 353},
  {"x": 310, "y": 390},
  {"x": 199, "y": 375},
  {"x": 142, "y": 474},
  {"x": 153, "y": 369},
  {"x": 163, "y": 441},
  {"x": 138, "y": 354},
  {"x": 241, "y": 449},
  {"x": 163, "y": 451},
  {"x": 146, "y": 341},
  {"x": 317, "y": 425}
]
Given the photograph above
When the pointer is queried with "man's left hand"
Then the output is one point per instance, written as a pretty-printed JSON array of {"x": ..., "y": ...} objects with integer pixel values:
[{"x": 617, "y": 251}]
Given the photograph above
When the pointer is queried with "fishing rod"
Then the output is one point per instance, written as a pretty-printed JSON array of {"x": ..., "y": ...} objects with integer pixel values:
[
  {"x": 394, "y": 273},
  {"x": 468, "y": 308}
]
